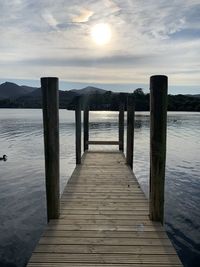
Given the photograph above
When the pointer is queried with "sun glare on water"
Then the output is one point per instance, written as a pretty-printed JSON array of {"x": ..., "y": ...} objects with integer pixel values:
[{"x": 101, "y": 33}]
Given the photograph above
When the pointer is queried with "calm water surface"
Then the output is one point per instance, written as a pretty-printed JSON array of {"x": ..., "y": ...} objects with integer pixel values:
[{"x": 22, "y": 188}]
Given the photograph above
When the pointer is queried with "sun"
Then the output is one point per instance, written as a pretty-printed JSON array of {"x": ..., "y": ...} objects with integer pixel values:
[{"x": 101, "y": 33}]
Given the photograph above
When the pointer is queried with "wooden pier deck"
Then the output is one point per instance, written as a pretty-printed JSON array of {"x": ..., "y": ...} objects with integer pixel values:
[{"x": 104, "y": 221}]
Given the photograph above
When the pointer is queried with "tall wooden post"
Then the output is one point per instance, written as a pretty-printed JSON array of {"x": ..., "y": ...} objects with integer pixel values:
[
  {"x": 130, "y": 130},
  {"x": 86, "y": 127},
  {"x": 121, "y": 123},
  {"x": 78, "y": 130},
  {"x": 50, "y": 100},
  {"x": 158, "y": 122}
]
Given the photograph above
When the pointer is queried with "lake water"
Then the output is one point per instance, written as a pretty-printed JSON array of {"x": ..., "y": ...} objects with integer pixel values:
[{"x": 22, "y": 187}]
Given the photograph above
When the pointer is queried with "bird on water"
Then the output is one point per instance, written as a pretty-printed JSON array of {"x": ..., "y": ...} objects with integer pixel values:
[{"x": 4, "y": 158}]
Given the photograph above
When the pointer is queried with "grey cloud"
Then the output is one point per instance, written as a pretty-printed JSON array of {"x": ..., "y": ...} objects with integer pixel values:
[
  {"x": 146, "y": 33},
  {"x": 118, "y": 60}
]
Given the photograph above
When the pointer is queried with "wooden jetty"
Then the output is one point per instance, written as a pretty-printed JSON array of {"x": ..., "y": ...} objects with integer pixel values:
[{"x": 103, "y": 218}]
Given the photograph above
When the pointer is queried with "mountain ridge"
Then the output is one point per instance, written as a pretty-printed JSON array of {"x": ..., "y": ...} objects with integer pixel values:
[
  {"x": 13, "y": 90},
  {"x": 15, "y": 96},
  {"x": 89, "y": 90}
]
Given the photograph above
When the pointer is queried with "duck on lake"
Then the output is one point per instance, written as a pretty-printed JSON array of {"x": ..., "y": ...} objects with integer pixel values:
[{"x": 4, "y": 158}]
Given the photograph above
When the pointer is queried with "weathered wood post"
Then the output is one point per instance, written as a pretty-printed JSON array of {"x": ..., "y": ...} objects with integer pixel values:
[
  {"x": 50, "y": 102},
  {"x": 78, "y": 130},
  {"x": 130, "y": 130},
  {"x": 121, "y": 122},
  {"x": 86, "y": 127},
  {"x": 158, "y": 122}
]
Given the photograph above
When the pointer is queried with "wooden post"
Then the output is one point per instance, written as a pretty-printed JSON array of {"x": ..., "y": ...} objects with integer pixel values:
[
  {"x": 121, "y": 123},
  {"x": 158, "y": 122},
  {"x": 86, "y": 127},
  {"x": 50, "y": 100},
  {"x": 78, "y": 130},
  {"x": 130, "y": 130}
]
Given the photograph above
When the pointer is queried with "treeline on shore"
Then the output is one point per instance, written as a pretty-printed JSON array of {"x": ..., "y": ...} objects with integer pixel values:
[{"x": 103, "y": 101}]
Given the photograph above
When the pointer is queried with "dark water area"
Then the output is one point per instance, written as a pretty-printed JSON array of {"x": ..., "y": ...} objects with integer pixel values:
[{"x": 22, "y": 183}]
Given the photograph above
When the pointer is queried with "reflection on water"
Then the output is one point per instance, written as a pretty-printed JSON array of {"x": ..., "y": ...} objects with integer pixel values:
[{"x": 22, "y": 189}]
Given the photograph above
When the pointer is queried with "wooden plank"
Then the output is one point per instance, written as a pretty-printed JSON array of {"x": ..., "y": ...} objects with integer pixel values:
[
  {"x": 50, "y": 104},
  {"x": 78, "y": 129},
  {"x": 104, "y": 258},
  {"x": 121, "y": 123},
  {"x": 101, "y": 199},
  {"x": 86, "y": 127},
  {"x": 106, "y": 190},
  {"x": 138, "y": 197},
  {"x": 95, "y": 227},
  {"x": 81, "y": 210},
  {"x": 105, "y": 217},
  {"x": 111, "y": 222},
  {"x": 76, "y": 249},
  {"x": 100, "y": 180},
  {"x": 106, "y": 234},
  {"x": 104, "y": 221},
  {"x": 130, "y": 130},
  {"x": 158, "y": 129},
  {"x": 104, "y": 206},
  {"x": 105, "y": 241},
  {"x": 104, "y": 203},
  {"x": 60, "y": 264},
  {"x": 114, "y": 195},
  {"x": 104, "y": 200},
  {"x": 103, "y": 142}
]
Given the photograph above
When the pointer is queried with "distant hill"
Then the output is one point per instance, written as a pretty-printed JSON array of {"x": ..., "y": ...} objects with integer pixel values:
[
  {"x": 15, "y": 96},
  {"x": 88, "y": 90},
  {"x": 34, "y": 99},
  {"x": 13, "y": 91},
  {"x": 198, "y": 95}
]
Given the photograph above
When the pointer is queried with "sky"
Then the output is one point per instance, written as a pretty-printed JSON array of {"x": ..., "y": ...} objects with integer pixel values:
[{"x": 148, "y": 37}]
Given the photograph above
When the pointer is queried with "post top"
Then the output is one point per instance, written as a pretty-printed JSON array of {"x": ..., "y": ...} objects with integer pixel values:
[
  {"x": 49, "y": 78},
  {"x": 159, "y": 77},
  {"x": 158, "y": 82}
]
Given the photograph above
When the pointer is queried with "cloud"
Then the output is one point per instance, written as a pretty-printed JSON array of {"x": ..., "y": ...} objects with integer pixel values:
[
  {"x": 129, "y": 61},
  {"x": 84, "y": 16},
  {"x": 148, "y": 37},
  {"x": 50, "y": 19},
  {"x": 17, "y": 2},
  {"x": 112, "y": 5}
]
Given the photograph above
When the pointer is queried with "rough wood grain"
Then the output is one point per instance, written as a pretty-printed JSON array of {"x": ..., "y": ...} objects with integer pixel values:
[
  {"x": 130, "y": 130},
  {"x": 104, "y": 221},
  {"x": 103, "y": 142},
  {"x": 50, "y": 104},
  {"x": 86, "y": 127},
  {"x": 158, "y": 128},
  {"x": 121, "y": 123},
  {"x": 78, "y": 129},
  {"x": 61, "y": 264}
]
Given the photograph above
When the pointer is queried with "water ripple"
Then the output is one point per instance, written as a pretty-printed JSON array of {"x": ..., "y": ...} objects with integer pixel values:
[{"x": 22, "y": 182}]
